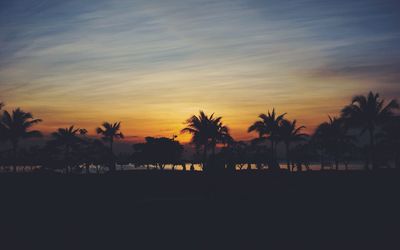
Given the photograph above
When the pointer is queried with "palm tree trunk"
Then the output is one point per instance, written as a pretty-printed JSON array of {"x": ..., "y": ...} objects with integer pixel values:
[
  {"x": 112, "y": 162},
  {"x": 322, "y": 161},
  {"x": 258, "y": 157},
  {"x": 66, "y": 158},
  {"x": 299, "y": 167},
  {"x": 205, "y": 154},
  {"x": 287, "y": 156},
  {"x": 372, "y": 148},
  {"x": 274, "y": 165},
  {"x": 213, "y": 147},
  {"x": 15, "y": 154},
  {"x": 272, "y": 149}
]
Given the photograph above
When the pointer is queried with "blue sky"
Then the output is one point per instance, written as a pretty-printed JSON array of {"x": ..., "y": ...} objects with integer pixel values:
[{"x": 151, "y": 64}]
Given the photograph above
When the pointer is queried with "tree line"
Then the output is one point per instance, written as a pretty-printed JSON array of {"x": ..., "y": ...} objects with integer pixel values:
[{"x": 367, "y": 131}]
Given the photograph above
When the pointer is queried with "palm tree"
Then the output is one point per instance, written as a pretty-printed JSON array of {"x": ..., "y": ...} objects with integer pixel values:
[
  {"x": 16, "y": 126},
  {"x": 2, "y": 131},
  {"x": 68, "y": 138},
  {"x": 83, "y": 131},
  {"x": 109, "y": 132},
  {"x": 207, "y": 132},
  {"x": 268, "y": 125},
  {"x": 199, "y": 126},
  {"x": 368, "y": 113},
  {"x": 333, "y": 139},
  {"x": 389, "y": 140},
  {"x": 219, "y": 133},
  {"x": 288, "y": 133}
]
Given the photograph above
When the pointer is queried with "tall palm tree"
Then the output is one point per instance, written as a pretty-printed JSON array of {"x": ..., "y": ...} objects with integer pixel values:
[
  {"x": 109, "y": 132},
  {"x": 289, "y": 133},
  {"x": 368, "y": 113},
  {"x": 268, "y": 124},
  {"x": 207, "y": 132},
  {"x": 16, "y": 126},
  {"x": 68, "y": 138},
  {"x": 198, "y": 126}
]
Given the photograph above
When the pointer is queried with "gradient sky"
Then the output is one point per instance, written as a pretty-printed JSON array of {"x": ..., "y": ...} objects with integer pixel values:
[{"x": 152, "y": 64}]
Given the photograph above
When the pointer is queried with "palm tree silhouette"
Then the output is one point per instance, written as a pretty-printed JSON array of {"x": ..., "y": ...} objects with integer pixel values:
[
  {"x": 198, "y": 126},
  {"x": 68, "y": 138},
  {"x": 268, "y": 125},
  {"x": 333, "y": 139},
  {"x": 207, "y": 132},
  {"x": 109, "y": 132},
  {"x": 289, "y": 133},
  {"x": 2, "y": 130},
  {"x": 83, "y": 131},
  {"x": 390, "y": 139},
  {"x": 16, "y": 126},
  {"x": 219, "y": 133},
  {"x": 368, "y": 113}
]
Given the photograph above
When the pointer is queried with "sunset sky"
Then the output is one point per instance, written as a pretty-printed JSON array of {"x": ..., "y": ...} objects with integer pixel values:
[{"x": 152, "y": 64}]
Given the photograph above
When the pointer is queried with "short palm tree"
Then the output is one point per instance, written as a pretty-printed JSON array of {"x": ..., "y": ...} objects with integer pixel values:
[
  {"x": 2, "y": 131},
  {"x": 390, "y": 139},
  {"x": 268, "y": 124},
  {"x": 219, "y": 134},
  {"x": 16, "y": 126},
  {"x": 289, "y": 133},
  {"x": 83, "y": 131},
  {"x": 67, "y": 138},
  {"x": 110, "y": 132},
  {"x": 333, "y": 139},
  {"x": 207, "y": 132},
  {"x": 368, "y": 113}
]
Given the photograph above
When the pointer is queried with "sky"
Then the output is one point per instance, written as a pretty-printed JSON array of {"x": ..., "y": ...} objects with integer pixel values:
[{"x": 152, "y": 64}]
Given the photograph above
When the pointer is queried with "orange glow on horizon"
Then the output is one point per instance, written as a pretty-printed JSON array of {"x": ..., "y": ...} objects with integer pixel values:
[
  {"x": 153, "y": 64},
  {"x": 171, "y": 123}
]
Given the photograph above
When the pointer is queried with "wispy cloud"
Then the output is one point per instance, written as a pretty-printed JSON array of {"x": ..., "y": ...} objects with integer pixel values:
[{"x": 153, "y": 63}]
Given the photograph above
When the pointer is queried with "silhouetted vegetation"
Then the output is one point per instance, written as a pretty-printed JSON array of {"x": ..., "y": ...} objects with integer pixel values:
[
  {"x": 268, "y": 128},
  {"x": 157, "y": 152},
  {"x": 16, "y": 126},
  {"x": 369, "y": 113},
  {"x": 333, "y": 142},
  {"x": 340, "y": 141},
  {"x": 207, "y": 132},
  {"x": 289, "y": 133},
  {"x": 109, "y": 132}
]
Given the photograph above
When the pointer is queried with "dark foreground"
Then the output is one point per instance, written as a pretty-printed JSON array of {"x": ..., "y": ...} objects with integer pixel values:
[{"x": 169, "y": 210}]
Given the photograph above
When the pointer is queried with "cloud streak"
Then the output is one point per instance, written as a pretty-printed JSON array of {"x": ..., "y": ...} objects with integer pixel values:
[{"x": 153, "y": 63}]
